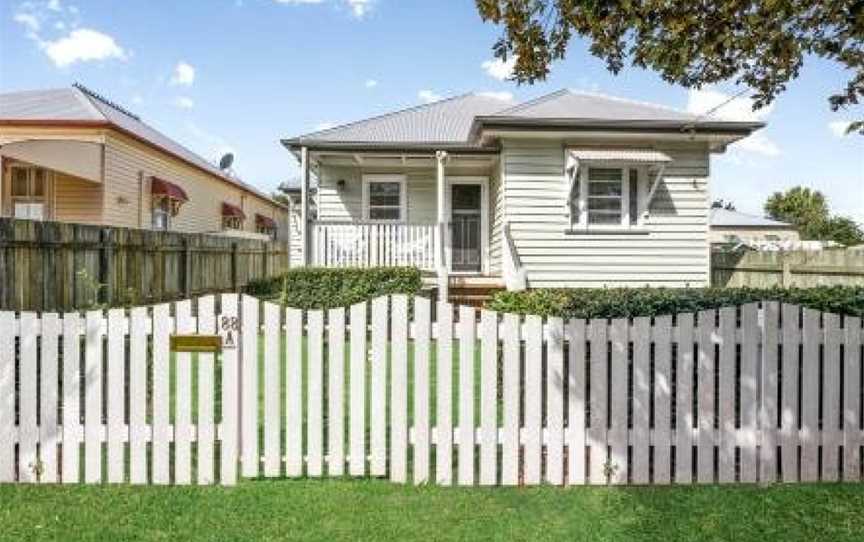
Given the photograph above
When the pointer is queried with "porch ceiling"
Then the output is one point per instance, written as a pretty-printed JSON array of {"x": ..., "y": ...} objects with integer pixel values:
[
  {"x": 77, "y": 158},
  {"x": 401, "y": 160}
]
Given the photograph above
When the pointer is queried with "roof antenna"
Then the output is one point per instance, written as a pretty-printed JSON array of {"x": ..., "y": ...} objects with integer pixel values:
[{"x": 691, "y": 127}]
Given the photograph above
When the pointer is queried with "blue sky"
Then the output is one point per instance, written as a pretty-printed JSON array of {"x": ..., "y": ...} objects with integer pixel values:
[{"x": 238, "y": 75}]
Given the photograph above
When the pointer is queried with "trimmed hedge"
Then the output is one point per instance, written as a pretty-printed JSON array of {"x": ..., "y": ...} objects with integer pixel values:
[
  {"x": 323, "y": 288},
  {"x": 631, "y": 302}
]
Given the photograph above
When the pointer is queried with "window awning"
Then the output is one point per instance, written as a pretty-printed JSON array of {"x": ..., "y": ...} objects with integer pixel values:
[
  {"x": 232, "y": 211},
  {"x": 77, "y": 158},
  {"x": 265, "y": 222},
  {"x": 638, "y": 156},
  {"x": 161, "y": 187}
]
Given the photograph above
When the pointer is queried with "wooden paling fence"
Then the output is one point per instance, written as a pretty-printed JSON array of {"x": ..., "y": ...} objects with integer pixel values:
[{"x": 420, "y": 393}]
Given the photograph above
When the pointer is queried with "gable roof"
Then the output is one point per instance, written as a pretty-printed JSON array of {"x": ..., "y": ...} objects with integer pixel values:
[
  {"x": 458, "y": 121},
  {"x": 446, "y": 121},
  {"x": 724, "y": 218},
  {"x": 80, "y": 105}
]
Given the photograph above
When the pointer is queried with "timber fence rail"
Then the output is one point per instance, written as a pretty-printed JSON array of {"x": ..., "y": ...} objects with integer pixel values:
[
  {"x": 798, "y": 268},
  {"x": 759, "y": 393},
  {"x": 52, "y": 266}
]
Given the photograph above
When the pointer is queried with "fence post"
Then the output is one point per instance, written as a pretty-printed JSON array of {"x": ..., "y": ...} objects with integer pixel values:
[
  {"x": 235, "y": 286},
  {"x": 187, "y": 269},
  {"x": 106, "y": 254},
  {"x": 786, "y": 278}
]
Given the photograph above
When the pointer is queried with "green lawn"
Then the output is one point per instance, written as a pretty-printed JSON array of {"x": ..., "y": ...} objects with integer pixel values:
[{"x": 378, "y": 510}]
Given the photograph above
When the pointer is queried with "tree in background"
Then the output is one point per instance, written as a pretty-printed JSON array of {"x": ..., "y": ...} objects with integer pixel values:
[
  {"x": 723, "y": 204},
  {"x": 759, "y": 44},
  {"x": 808, "y": 210}
]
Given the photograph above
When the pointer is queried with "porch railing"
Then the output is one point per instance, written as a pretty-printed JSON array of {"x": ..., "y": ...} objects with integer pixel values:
[{"x": 372, "y": 244}]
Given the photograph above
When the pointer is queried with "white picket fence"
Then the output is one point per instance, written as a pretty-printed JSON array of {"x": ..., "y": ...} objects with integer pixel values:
[{"x": 760, "y": 393}]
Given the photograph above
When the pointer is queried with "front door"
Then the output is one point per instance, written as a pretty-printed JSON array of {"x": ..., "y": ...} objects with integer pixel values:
[{"x": 466, "y": 230}]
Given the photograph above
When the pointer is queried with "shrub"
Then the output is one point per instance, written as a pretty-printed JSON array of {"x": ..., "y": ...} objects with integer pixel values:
[
  {"x": 630, "y": 302},
  {"x": 323, "y": 288}
]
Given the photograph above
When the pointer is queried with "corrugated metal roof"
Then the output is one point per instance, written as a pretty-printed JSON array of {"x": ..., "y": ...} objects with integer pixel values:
[
  {"x": 444, "y": 121},
  {"x": 646, "y": 156},
  {"x": 80, "y": 104},
  {"x": 726, "y": 218},
  {"x": 567, "y": 104}
]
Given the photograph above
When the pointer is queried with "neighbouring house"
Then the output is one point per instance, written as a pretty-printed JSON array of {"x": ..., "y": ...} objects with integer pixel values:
[
  {"x": 70, "y": 155},
  {"x": 568, "y": 189},
  {"x": 733, "y": 227}
]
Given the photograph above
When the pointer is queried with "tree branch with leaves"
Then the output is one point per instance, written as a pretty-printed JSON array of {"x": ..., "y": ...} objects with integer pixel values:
[{"x": 692, "y": 43}]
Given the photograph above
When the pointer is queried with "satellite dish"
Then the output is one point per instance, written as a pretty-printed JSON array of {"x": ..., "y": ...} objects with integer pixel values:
[{"x": 226, "y": 161}]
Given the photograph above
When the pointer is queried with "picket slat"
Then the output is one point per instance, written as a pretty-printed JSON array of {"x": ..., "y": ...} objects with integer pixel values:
[
  {"x": 48, "y": 398},
  {"x": 293, "y": 392},
  {"x": 422, "y": 333},
  {"x": 576, "y": 390},
  {"x": 749, "y": 392},
  {"x": 663, "y": 406},
  {"x": 789, "y": 394},
  {"x": 640, "y": 451},
  {"x": 28, "y": 435},
  {"x": 488, "y": 398},
  {"x": 726, "y": 396},
  {"x": 230, "y": 445},
  {"x": 617, "y": 435},
  {"x": 161, "y": 394},
  {"x": 335, "y": 392},
  {"x": 93, "y": 398},
  {"x": 183, "y": 399},
  {"x": 467, "y": 343},
  {"x": 831, "y": 395},
  {"x": 205, "y": 415},
  {"x": 771, "y": 363},
  {"x": 249, "y": 399},
  {"x": 705, "y": 401},
  {"x": 684, "y": 414},
  {"x": 533, "y": 429},
  {"x": 315, "y": 390},
  {"x": 510, "y": 397},
  {"x": 851, "y": 403},
  {"x": 116, "y": 394},
  {"x": 71, "y": 447},
  {"x": 554, "y": 378},
  {"x": 444, "y": 396},
  {"x": 272, "y": 385},
  {"x": 358, "y": 390},
  {"x": 399, "y": 390},
  {"x": 599, "y": 371},
  {"x": 811, "y": 337},
  {"x": 7, "y": 398},
  {"x": 378, "y": 388}
]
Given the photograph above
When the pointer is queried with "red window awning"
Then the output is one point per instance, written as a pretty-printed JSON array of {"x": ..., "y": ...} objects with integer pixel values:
[
  {"x": 161, "y": 187},
  {"x": 265, "y": 222},
  {"x": 232, "y": 211}
]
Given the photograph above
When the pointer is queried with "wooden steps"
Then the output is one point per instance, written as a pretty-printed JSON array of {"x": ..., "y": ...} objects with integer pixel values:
[{"x": 472, "y": 291}]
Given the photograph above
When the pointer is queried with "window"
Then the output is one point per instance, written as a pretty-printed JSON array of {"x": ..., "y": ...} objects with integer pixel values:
[
  {"x": 605, "y": 197},
  {"x": 28, "y": 192},
  {"x": 161, "y": 213},
  {"x": 232, "y": 223},
  {"x": 384, "y": 198}
]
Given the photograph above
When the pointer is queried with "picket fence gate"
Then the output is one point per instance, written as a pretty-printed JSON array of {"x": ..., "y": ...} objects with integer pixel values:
[{"x": 398, "y": 387}]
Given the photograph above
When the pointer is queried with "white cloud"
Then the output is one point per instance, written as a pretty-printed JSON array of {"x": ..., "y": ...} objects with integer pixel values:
[
  {"x": 137, "y": 99},
  {"x": 82, "y": 45},
  {"x": 28, "y": 21},
  {"x": 427, "y": 96},
  {"x": 724, "y": 106},
  {"x": 371, "y": 83},
  {"x": 184, "y": 102},
  {"x": 184, "y": 75},
  {"x": 838, "y": 127},
  {"x": 54, "y": 5},
  {"x": 499, "y": 69},
  {"x": 360, "y": 8},
  {"x": 504, "y": 96}
]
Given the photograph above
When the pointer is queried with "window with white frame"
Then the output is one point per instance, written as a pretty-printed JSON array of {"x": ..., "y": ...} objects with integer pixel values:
[
  {"x": 605, "y": 197},
  {"x": 28, "y": 192},
  {"x": 384, "y": 198},
  {"x": 161, "y": 213}
]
